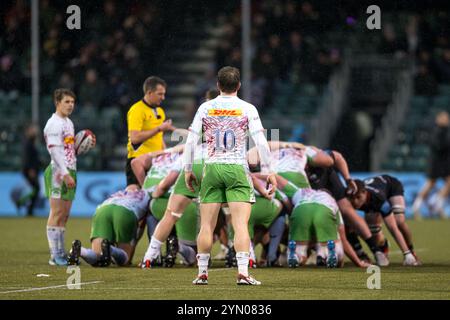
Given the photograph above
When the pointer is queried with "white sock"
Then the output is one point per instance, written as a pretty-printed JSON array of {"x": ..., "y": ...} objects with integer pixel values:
[
  {"x": 301, "y": 250},
  {"x": 339, "y": 251},
  {"x": 187, "y": 252},
  {"x": 252, "y": 252},
  {"x": 202, "y": 262},
  {"x": 61, "y": 242},
  {"x": 54, "y": 238},
  {"x": 242, "y": 262},
  {"x": 439, "y": 203},
  {"x": 323, "y": 252},
  {"x": 89, "y": 255},
  {"x": 417, "y": 204},
  {"x": 119, "y": 255},
  {"x": 153, "y": 249}
]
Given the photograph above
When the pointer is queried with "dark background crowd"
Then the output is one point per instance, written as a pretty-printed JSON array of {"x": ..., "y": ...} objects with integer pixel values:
[{"x": 294, "y": 43}]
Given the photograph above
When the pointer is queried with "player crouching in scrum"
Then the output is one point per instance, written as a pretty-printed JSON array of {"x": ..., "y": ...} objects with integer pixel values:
[
  {"x": 382, "y": 196},
  {"x": 114, "y": 229}
]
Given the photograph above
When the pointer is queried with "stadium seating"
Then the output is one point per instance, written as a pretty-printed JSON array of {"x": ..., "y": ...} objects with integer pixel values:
[{"x": 411, "y": 152}]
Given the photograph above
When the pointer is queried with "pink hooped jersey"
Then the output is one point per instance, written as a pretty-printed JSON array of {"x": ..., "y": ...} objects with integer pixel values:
[
  {"x": 225, "y": 123},
  {"x": 163, "y": 164},
  {"x": 136, "y": 201},
  {"x": 59, "y": 132},
  {"x": 291, "y": 159}
]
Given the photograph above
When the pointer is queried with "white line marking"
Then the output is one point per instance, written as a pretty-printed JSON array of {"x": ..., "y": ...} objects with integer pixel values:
[
  {"x": 398, "y": 252},
  {"x": 52, "y": 287},
  {"x": 220, "y": 269}
]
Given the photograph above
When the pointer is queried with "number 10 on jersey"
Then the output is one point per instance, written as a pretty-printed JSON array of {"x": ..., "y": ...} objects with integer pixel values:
[{"x": 225, "y": 141}]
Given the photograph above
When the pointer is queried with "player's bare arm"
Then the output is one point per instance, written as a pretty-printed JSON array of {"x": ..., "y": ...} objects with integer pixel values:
[
  {"x": 140, "y": 166},
  {"x": 165, "y": 184},
  {"x": 341, "y": 165}
]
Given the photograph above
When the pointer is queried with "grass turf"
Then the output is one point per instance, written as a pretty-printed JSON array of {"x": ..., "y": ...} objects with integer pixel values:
[{"x": 24, "y": 255}]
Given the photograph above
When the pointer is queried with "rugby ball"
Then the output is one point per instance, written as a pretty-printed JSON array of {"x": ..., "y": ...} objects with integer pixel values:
[{"x": 84, "y": 141}]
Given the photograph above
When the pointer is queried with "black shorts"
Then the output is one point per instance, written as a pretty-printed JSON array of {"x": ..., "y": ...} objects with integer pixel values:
[
  {"x": 131, "y": 178},
  {"x": 439, "y": 168}
]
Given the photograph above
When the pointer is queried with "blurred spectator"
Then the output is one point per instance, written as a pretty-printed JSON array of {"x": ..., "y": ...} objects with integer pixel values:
[
  {"x": 92, "y": 90},
  {"x": 425, "y": 83},
  {"x": 66, "y": 81},
  {"x": 10, "y": 77},
  {"x": 320, "y": 71},
  {"x": 389, "y": 42},
  {"x": 443, "y": 66},
  {"x": 438, "y": 167},
  {"x": 30, "y": 168}
]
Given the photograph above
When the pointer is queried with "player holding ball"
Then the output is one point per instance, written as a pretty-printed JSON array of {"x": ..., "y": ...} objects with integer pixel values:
[{"x": 60, "y": 175}]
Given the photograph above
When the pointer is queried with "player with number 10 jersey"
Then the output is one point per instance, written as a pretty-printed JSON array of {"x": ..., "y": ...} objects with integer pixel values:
[{"x": 224, "y": 123}]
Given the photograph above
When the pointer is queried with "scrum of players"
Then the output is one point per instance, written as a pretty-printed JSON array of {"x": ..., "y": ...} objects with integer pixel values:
[{"x": 310, "y": 220}]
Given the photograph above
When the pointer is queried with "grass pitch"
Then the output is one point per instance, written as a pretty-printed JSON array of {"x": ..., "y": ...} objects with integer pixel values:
[{"x": 24, "y": 256}]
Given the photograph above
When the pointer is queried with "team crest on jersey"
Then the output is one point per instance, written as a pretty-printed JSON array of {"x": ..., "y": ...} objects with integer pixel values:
[
  {"x": 224, "y": 113},
  {"x": 69, "y": 140}
]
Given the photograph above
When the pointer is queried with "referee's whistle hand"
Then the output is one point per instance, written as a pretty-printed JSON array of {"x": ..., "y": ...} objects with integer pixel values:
[{"x": 167, "y": 126}]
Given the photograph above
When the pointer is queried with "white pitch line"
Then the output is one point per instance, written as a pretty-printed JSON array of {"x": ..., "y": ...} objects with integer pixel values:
[
  {"x": 398, "y": 252},
  {"x": 219, "y": 269},
  {"x": 52, "y": 287}
]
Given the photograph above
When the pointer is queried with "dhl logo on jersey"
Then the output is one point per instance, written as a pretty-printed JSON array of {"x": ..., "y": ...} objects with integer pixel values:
[
  {"x": 224, "y": 113},
  {"x": 69, "y": 140}
]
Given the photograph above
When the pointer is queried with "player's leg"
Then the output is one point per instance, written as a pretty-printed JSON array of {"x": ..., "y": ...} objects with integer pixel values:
[
  {"x": 101, "y": 227},
  {"x": 125, "y": 226},
  {"x": 300, "y": 225},
  {"x": 326, "y": 226},
  {"x": 398, "y": 208},
  {"x": 240, "y": 195},
  {"x": 56, "y": 219},
  {"x": 423, "y": 194},
  {"x": 240, "y": 215},
  {"x": 359, "y": 226},
  {"x": 208, "y": 220},
  {"x": 442, "y": 197},
  {"x": 374, "y": 221},
  {"x": 276, "y": 226},
  {"x": 55, "y": 231},
  {"x": 391, "y": 223},
  {"x": 339, "y": 253},
  {"x": 175, "y": 208},
  {"x": 187, "y": 229},
  {"x": 102, "y": 234}
]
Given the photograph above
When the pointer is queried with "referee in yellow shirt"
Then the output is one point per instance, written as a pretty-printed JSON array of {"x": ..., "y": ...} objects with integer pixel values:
[{"x": 147, "y": 122}]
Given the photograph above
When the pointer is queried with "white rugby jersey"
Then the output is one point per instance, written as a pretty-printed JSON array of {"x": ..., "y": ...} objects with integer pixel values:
[
  {"x": 224, "y": 123},
  {"x": 163, "y": 164},
  {"x": 308, "y": 195},
  {"x": 291, "y": 159},
  {"x": 60, "y": 133},
  {"x": 136, "y": 201}
]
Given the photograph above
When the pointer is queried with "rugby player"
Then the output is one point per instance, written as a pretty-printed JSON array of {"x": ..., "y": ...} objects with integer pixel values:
[{"x": 224, "y": 122}]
